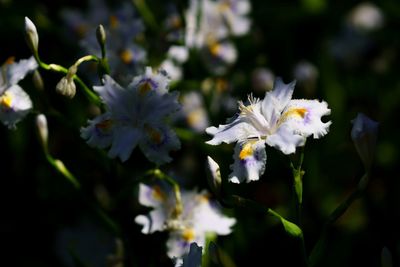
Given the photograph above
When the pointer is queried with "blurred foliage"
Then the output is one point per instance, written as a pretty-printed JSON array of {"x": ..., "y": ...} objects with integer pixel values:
[{"x": 37, "y": 204}]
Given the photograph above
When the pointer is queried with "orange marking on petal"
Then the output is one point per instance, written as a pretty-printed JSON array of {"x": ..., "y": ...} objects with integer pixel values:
[
  {"x": 188, "y": 234},
  {"x": 6, "y": 100},
  {"x": 126, "y": 56}
]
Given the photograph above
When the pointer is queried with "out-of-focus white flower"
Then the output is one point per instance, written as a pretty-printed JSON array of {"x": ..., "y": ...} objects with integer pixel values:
[
  {"x": 199, "y": 217},
  {"x": 277, "y": 120},
  {"x": 173, "y": 69},
  {"x": 15, "y": 104},
  {"x": 122, "y": 26},
  {"x": 364, "y": 135},
  {"x": 366, "y": 17},
  {"x": 178, "y": 53},
  {"x": 32, "y": 37},
  {"x": 135, "y": 116},
  {"x": 234, "y": 13},
  {"x": 194, "y": 111},
  {"x": 306, "y": 74},
  {"x": 218, "y": 20},
  {"x": 262, "y": 79}
]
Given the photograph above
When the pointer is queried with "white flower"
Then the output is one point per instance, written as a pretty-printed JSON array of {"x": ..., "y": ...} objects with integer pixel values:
[
  {"x": 135, "y": 116},
  {"x": 234, "y": 13},
  {"x": 366, "y": 17},
  {"x": 194, "y": 111},
  {"x": 364, "y": 135},
  {"x": 14, "y": 102},
  {"x": 277, "y": 121},
  {"x": 199, "y": 216}
]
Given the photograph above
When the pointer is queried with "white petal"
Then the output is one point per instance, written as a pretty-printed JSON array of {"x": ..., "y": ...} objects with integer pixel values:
[
  {"x": 15, "y": 104},
  {"x": 232, "y": 132},
  {"x": 208, "y": 218},
  {"x": 304, "y": 117},
  {"x": 249, "y": 161},
  {"x": 285, "y": 140},
  {"x": 152, "y": 222},
  {"x": 178, "y": 53},
  {"x": 17, "y": 71},
  {"x": 276, "y": 100},
  {"x": 152, "y": 196}
]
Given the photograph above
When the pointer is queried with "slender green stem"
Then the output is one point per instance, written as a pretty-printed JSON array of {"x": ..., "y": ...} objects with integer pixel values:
[
  {"x": 298, "y": 174},
  {"x": 60, "y": 167}
]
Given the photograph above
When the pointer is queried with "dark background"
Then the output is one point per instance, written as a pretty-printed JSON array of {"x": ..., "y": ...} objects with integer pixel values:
[{"x": 39, "y": 207}]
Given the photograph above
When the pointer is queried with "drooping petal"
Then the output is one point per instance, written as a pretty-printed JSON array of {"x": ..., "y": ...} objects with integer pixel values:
[
  {"x": 150, "y": 81},
  {"x": 157, "y": 142},
  {"x": 276, "y": 100},
  {"x": 232, "y": 132},
  {"x": 249, "y": 161},
  {"x": 17, "y": 71},
  {"x": 285, "y": 139},
  {"x": 125, "y": 139},
  {"x": 15, "y": 104},
  {"x": 207, "y": 218},
  {"x": 152, "y": 222},
  {"x": 152, "y": 196},
  {"x": 99, "y": 132},
  {"x": 304, "y": 117}
]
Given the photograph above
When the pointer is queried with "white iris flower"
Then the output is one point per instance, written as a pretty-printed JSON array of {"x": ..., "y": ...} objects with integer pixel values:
[
  {"x": 199, "y": 216},
  {"x": 15, "y": 103},
  {"x": 277, "y": 120},
  {"x": 135, "y": 116}
]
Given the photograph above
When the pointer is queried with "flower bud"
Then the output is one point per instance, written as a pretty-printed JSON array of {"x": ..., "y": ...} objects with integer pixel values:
[
  {"x": 37, "y": 80},
  {"x": 32, "y": 37},
  {"x": 101, "y": 35},
  {"x": 42, "y": 130},
  {"x": 214, "y": 176},
  {"x": 66, "y": 86},
  {"x": 364, "y": 134}
]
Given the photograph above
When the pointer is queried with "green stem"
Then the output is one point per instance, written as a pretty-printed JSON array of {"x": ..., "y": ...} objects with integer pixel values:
[
  {"x": 60, "y": 167},
  {"x": 298, "y": 174}
]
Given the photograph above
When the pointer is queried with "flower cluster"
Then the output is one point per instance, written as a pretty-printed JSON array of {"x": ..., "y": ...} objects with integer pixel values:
[
  {"x": 122, "y": 26},
  {"x": 135, "y": 116},
  {"x": 277, "y": 120},
  {"x": 199, "y": 216}
]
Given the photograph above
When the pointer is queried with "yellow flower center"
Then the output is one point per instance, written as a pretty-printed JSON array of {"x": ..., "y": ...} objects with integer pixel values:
[
  {"x": 247, "y": 151},
  {"x": 294, "y": 112},
  {"x": 6, "y": 100},
  {"x": 126, "y": 56},
  {"x": 114, "y": 22},
  {"x": 144, "y": 87},
  {"x": 155, "y": 136},
  {"x": 188, "y": 234},
  {"x": 105, "y": 125},
  {"x": 214, "y": 48},
  {"x": 158, "y": 194}
]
